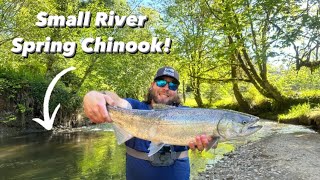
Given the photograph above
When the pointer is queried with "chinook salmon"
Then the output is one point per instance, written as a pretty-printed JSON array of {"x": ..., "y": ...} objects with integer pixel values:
[{"x": 179, "y": 126}]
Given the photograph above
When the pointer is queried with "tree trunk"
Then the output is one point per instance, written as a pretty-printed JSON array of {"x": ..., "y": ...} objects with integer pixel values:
[
  {"x": 197, "y": 92},
  {"x": 261, "y": 82},
  {"x": 233, "y": 29},
  {"x": 243, "y": 104},
  {"x": 266, "y": 88},
  {"x": 183, "y": 92}
]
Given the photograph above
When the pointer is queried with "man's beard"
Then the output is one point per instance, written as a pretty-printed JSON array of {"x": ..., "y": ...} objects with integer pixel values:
[{"x": 172, "y": 101}]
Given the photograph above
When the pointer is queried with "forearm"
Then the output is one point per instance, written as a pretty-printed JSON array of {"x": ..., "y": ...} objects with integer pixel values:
[{"x": 94, "y": 104}]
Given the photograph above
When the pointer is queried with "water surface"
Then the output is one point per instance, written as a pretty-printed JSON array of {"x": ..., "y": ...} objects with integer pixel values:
[{"x": 92, "y": 153}]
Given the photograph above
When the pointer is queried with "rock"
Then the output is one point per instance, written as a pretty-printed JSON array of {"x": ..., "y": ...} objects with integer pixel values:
[{"x": 281, "y": 156}]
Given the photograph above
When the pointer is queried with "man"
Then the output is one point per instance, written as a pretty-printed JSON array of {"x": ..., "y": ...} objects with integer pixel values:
[{"x": 171, "y": 162}]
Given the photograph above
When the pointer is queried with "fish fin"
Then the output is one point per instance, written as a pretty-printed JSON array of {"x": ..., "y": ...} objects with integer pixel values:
[
  {"x": 213, "y": 143},
  {"x": 154, "y": 148},
  {"x": 121, "y": 135},
  {"x": 162, "y": 106}
]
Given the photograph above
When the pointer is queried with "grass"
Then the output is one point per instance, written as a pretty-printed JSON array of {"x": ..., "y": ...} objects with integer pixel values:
[
  {"x": 190, "y": 102},
  {"x": 310, "y": 93},
  {"x": 297, "y": 111},
  {"x": 302, "y": 114},
  {"x": 225, "y": 102}
]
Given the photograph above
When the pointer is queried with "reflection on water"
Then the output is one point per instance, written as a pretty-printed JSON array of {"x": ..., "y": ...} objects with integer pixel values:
[
  {"x": 63, "y": 156},
  {"x": 92, "y": 153}
]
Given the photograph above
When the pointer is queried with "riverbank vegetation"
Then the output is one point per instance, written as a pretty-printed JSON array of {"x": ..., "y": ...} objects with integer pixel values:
[{"x": 258, "y": 57}]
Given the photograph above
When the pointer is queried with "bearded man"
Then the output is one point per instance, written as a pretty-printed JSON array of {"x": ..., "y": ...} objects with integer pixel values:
[{"x": 164, "y": 164}]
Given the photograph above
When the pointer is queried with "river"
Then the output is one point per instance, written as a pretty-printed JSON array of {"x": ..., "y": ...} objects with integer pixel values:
[{"x": 92, "y": 153}]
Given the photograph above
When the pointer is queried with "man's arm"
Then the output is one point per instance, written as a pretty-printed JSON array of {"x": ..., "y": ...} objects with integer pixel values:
[{"x": 94, "y": 104}]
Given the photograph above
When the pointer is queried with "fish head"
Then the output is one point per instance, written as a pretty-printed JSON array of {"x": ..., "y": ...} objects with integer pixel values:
[{"x": 235, "y": 124}]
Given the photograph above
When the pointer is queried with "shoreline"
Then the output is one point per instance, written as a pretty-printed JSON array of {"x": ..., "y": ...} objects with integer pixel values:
[
  {"x": 280, "y": 156},
  {"x": 277, "y": 156}
]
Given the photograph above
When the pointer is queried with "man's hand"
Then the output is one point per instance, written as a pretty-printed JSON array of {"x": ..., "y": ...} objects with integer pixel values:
[
  {"x": 94, "y": 104},
  {"x": 201, "y": 142}
]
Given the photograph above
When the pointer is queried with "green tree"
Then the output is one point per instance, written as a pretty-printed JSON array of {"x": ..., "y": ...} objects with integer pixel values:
[{"x": 195, "y": 42}]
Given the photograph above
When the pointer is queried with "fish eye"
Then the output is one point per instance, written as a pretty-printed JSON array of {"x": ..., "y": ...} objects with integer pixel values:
[{"x": 244, "y": 122}]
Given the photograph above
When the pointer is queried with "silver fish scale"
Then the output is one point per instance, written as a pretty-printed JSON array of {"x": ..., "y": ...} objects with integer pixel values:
[{"x": 177, "y": 126}]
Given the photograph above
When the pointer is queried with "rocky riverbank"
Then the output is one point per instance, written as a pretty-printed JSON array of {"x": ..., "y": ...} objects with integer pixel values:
[{"x": 280, "y": 156}]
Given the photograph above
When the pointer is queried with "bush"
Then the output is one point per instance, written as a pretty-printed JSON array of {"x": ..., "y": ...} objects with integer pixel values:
[{"x": 23, "y": 93}]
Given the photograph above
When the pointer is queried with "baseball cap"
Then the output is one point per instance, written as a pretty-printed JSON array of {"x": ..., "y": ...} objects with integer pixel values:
[{"x": 167, "y": 71}]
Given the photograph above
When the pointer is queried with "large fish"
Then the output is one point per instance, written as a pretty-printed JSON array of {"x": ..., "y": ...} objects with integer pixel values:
[{"x": 179, "y": 126}]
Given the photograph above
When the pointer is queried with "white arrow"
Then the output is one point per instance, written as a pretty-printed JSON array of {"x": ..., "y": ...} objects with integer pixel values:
[{"x": 48, "y": 122}]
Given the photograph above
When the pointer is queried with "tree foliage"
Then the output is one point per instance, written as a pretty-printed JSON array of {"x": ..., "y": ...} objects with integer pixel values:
[{"x": 233, "y": 46}]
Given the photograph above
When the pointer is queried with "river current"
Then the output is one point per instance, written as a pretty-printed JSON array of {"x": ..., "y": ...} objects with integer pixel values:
[{"x": 92, "y": 153}]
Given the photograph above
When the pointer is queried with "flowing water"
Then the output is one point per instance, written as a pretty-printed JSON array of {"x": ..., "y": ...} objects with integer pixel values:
[{"x": 92, "y": 153}]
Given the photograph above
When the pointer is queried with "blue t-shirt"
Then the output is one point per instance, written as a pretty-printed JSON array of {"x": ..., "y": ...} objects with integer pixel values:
[{"x": 138, "y": 169}]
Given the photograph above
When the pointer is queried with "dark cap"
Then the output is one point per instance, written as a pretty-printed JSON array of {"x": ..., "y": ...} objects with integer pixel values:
[{"x": 167, "y": 71}]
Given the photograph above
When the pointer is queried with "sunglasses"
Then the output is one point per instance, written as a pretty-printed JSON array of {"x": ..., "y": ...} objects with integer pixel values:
[{"x": 162, "y": 83}]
